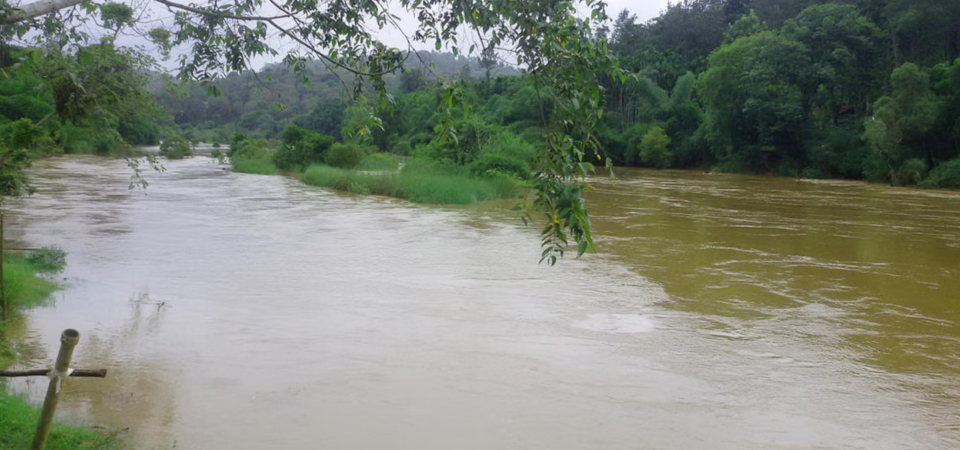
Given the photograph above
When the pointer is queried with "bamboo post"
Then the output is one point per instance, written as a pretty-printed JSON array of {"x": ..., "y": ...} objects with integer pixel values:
[
  {"x": 3, "y": 290},
  {"x": 68, "y": 340}
]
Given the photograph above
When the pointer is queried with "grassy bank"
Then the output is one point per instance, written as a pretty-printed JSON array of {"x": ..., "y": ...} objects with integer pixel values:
[
  {"x": 26, "y": 288},
  {"x": 18, "y": 419},
  {"x": 415, "y": 186},
  {"x": 254, "y": 166}
]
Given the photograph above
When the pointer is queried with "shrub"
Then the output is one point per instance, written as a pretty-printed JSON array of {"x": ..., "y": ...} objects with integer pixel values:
[
  {"x": 505, "y": 184},
  {"x": 511, "y": 145},
  {"x": 402, "y": 147},
  {"x": 945, "y": 175},
  {"x": 301, "y": 148},
  {"x": 251, "y": 149},
  {"x": 911, "y": 171},
  {"x": 175, "y": 147},
  {"x": 653, "y": 148},
  {"x": 346, "y": 156},
  {"x": 380, "y": 161},
  {"x": 48, "y": 259},
  {"x": 500, "y": 163}
]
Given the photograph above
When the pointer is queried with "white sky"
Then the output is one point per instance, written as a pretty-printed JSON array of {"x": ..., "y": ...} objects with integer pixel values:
[{"x": 644, "y": 9}]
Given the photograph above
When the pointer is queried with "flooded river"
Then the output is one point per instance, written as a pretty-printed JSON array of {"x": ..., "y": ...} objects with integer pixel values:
[{"x": 722, "y": 312}]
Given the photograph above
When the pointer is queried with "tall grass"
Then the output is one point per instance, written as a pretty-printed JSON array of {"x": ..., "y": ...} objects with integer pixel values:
[
  {"x": 19, "y": 419},
  {"x": 417, "y": 186},
  {"x": 24, "y": 288},
  {"x": 254, "y": 166},
  {"x": 380, "y": 161}
]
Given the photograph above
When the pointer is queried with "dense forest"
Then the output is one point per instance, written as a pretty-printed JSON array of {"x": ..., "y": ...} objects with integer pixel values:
[{"x": 859, "y": 89}]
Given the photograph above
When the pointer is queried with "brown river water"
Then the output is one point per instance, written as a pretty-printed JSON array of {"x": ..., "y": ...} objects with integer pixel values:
[{"x": 721, "y": 312}]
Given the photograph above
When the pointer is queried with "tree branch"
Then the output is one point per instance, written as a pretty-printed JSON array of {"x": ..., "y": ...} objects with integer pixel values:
[
  {"x": 38, "y": 9},
  {"x": 91, "y": 373},
  {"x": 210, "y": 13}
]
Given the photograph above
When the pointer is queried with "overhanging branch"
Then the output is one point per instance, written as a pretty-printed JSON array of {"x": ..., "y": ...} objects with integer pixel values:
[{"x": 38, "y": 9}]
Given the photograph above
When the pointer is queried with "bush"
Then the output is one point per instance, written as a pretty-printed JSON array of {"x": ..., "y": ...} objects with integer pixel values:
[
  {"x": 380, "y": 161},
  {"x": 301, "y": 148},
  {"x": 402, "y": 147},
  {"x": 500, "y": 163},
  {"x": 48, "y": 259},
  {"x": 345, "y": 156},
  {"x": 911, "y": 171},
  {"x": 505, "y": 184},
  {"x": 510, "y": 144},
  {"x": 252, "y": 149},
  {"x": 946, "y": 175},
  {"x": 653, "y": 148},
  {"x": 175, "y": 147}
]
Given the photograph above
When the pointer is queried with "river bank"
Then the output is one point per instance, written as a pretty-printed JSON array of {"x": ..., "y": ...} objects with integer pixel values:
[{"x": 26, "y": 289}]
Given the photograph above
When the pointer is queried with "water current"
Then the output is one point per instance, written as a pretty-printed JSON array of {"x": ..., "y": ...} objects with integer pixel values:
[{"x": 239, "y": 311}]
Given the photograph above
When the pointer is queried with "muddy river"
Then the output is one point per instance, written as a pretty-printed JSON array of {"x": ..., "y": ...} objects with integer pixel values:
[{"x": 253, "y": 312}]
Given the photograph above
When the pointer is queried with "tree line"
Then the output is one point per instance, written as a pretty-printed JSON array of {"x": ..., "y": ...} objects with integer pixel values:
[
  {"x": 860, "y": 89},
  {"x": 808, "y": 88}
]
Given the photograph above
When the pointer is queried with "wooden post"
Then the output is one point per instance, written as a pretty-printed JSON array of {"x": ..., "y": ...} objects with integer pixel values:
[
  {"x": 3, "y": 290},
  {"x": 68, "y": 340}
]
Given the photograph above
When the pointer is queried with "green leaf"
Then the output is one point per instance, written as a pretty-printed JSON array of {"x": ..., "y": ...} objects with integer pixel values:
[
  {"x": 85, "y": 57},
  {"x": 582, "y": 248}
]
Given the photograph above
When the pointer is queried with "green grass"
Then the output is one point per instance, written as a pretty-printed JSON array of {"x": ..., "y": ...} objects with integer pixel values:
[
  {"x": 417, "y": 186},
  {"x": 380, "y": 161},
  {"x": 254, "y": 166},
  {"x": 24, "y": 288},
  {"x": 18, "y": 419}
]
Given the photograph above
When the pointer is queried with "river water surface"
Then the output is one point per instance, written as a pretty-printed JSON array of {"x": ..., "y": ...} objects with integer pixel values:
[{"x": 722, "y": 312}]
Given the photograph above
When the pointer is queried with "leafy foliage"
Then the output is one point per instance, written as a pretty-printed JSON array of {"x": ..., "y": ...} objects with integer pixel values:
[
  {"x": 175, "y": 147},
  {"x": 345, "y": 156},
  {"x": 653, "y": 148}
]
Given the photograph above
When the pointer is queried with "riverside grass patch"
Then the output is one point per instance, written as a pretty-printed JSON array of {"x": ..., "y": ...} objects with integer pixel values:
[
  {"x": 19, "y": 419},
  {"x": 254, "y": 166},
  {"x": 380, "y": 161},
  {"x": 24, "y": 288},
  {"x": 417, "y": 187}
]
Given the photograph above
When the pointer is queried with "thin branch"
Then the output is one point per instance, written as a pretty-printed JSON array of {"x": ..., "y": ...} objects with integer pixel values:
[
  {"x": 77, "y": 373},
  {"x": 220, "y": 15}
]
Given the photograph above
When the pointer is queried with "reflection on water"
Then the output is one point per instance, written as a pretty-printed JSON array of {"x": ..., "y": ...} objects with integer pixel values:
[{"x": 724, "y": 312}]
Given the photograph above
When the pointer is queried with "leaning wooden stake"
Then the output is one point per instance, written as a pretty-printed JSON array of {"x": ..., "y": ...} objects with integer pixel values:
[
  {"x": 3, "y": 291},
  {"x": 68, "y": 340}
]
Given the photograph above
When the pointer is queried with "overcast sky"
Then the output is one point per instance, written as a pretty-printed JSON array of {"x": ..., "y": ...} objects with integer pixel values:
[{"x": 644, "y": 9}]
